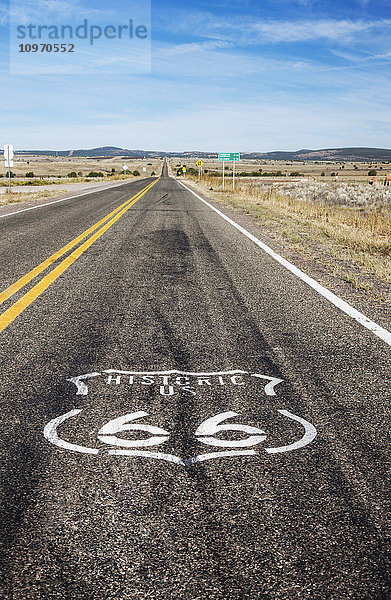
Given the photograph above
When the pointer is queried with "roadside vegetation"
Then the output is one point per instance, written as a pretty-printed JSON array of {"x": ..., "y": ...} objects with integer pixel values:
[
  {"x": 346, "y": 227},
  {"x": 16, "y": 197},
  {"x": 49, "y": 170},
  {"x": 72, "y": 177}
]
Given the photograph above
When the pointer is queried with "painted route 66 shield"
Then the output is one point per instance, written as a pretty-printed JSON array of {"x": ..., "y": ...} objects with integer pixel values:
[{"x": 180, "y": 417}]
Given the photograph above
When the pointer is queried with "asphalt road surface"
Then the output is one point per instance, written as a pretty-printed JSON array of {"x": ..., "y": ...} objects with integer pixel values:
[{"x": 182, "y": 417}]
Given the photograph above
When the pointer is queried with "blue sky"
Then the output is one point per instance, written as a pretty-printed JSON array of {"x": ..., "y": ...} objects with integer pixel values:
[{"x": 226, "y": 75}]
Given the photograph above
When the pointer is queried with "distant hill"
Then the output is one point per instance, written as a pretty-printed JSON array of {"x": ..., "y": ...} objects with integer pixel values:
[
  {"x": 103, "y": 152},
  {"x": 329, "y": 154},
  {"x": 333, "y": 154}
]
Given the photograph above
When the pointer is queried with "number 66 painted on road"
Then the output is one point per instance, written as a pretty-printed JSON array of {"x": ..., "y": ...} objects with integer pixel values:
[
  {"x": 205, "y": 434},
  {"x": 208, "y": 428}
]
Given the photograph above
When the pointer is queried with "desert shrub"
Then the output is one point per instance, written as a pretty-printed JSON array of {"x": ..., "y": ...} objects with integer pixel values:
[
  {"x": 95, "y": 174},
  {"x": 372, "y": 172},
  {"x": 72, "y": 174},
  {"x": 339, "y": 194},
  {"x": 273, "y": 174},
  {"x": 30, "y": 174},
  {"x": 136, "y": 173}
]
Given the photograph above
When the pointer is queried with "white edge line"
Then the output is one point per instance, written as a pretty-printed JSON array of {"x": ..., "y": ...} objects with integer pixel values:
[
  {"x": 376, "y": 329},
  {"x": 63, "y": 199}
]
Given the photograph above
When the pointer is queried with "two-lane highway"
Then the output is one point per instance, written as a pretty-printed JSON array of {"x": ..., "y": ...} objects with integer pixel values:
[{"x": 181, "y": 416}]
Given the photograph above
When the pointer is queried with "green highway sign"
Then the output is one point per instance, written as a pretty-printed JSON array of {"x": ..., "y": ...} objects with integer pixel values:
[{"x": 229, "y": 156}]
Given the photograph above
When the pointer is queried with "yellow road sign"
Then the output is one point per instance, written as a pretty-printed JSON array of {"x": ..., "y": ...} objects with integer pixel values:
[{"x": 199, "y": 163}]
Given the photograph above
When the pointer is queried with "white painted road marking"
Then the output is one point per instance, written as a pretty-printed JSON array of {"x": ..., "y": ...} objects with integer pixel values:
[
  {"x": 147, "y": 378},
  {"x": 379, "y": 331},
  {"x": 210, "y": 427},
  {"x": 108, "y": 431},
  {"x": 204, "y": 434},
  {"x": 50, "y": 433},
  {"x": 310, "y": 434}
]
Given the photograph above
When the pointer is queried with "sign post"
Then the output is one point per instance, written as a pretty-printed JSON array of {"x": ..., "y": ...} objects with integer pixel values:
[
  {"x": 199, "y": 164},
  {"x": 125, "y": 168},
  {"x": 9, "y": 155},
  {"x": 234, "y": 156}
]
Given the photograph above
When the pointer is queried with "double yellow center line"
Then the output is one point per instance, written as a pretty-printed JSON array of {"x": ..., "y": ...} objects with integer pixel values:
[{"x": 14, "y": 311}]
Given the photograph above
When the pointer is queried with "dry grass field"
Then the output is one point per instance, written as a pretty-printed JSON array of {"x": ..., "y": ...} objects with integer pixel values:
[
  {"x": 30, "y": 197},
  {"x": 57, "y": 169},
  {"x": 350, "y": 172},
  {"x": 345, "y": 227}
]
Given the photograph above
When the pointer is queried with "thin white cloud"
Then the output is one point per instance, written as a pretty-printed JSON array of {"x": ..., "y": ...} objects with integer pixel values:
[
  {"x": 305, "y": 31},
  {"x": 385, "y": 56},
  {"x": 217, "y": 59},
  {"x": 252, "y": 31},
  {"x": 194, "y": 47},
  {"x": 361, "y": 59}
]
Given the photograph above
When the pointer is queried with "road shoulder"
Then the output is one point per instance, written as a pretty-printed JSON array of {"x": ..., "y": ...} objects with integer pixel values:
[{"x": 316, "y": 260}]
